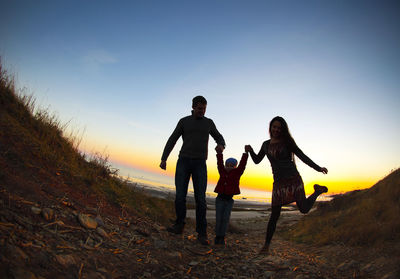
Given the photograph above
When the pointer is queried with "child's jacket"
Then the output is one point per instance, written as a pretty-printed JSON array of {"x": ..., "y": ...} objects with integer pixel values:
[{"x": 228, "y": 182}]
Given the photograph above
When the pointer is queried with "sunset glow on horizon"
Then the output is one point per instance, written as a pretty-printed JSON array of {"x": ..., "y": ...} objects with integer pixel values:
[{"x": 123, "y": 80}]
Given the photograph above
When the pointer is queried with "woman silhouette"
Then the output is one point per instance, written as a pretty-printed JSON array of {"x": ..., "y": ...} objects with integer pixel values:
[{"x": 288, "y": 186}]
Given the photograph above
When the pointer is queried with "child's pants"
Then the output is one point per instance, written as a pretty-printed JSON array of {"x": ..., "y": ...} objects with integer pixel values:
[{"x": 223, "y": 208}]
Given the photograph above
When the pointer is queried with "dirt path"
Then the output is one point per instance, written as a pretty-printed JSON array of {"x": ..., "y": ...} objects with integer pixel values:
[{"x": 64, "y": 240}]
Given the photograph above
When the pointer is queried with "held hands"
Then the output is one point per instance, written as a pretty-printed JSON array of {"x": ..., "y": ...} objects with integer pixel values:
[
  {"x": 163, "y": 165},
  {"x": 219, "y": 148},
  {"x": 324, "y": 170},
  {"x": 248, "y": 148}
]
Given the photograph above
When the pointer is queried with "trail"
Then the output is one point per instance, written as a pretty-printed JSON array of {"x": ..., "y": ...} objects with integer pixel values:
[{"x": 40, "y": 240}]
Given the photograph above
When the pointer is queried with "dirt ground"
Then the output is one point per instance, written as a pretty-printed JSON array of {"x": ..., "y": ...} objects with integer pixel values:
[{"x": 60, "y": 237}]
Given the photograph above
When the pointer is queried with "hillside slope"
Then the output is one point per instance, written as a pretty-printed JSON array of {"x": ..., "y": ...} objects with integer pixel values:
[
  {"x": 38, "y": 162},
  {"x": 368, "y": 217}
]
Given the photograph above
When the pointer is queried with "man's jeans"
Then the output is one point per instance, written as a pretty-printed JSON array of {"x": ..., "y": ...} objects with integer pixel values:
[
  {"x": 197, "y": 168},
  {"x": 223, "y": 208}
]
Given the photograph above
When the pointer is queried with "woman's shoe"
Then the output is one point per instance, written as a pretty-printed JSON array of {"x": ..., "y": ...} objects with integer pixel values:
[
  {"x": 320, "y": 189},
  {"x": 264, "y": 250}
]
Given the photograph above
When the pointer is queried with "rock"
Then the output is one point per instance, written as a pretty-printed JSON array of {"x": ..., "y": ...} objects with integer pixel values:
[
  {"x": 48, "y": 214},
  {"x": 368, "y": 268},
  {"x": 15, "y": 252},
  {"x": 99, "y": 221},
  {"x": 391, "y": 275},
  {"x": 43, "y": 259},
  {"x": 102, "y": 270},
  {"x": 102, "y": 232},
  {"x": 347, "y": 265},
  {"x": 193, "y": 263},
  {"x": 268, "y": 274},
  {"x": 95, "y": 275},
  {"x": 90, "y": 242},
  {"x": 36, "y": 210},
  {"x": 86, "y": 221},
  {"x": 175, "y": 254},
  {"x": 65, "y": 260},
  {"x": 20, "y": 273},
  {"x": 38, "y": 242},
  {"x": 147, "y": 275},
  {"x": 160, "y": 244},
  {"x": 142, "y": 231}
]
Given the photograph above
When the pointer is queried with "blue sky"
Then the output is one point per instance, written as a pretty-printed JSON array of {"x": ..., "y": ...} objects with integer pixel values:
[{"x": 124, "y": 72}]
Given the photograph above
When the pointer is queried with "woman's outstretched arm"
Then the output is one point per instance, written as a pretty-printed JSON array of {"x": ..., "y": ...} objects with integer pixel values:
[{"x": 308, "y": 161}]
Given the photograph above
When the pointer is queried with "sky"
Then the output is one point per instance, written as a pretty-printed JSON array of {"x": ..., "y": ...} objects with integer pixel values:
[{"x": 122, "y": 73}]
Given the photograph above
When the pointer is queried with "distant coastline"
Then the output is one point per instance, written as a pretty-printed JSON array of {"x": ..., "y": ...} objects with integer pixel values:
[{"x": 239, "y": 205}]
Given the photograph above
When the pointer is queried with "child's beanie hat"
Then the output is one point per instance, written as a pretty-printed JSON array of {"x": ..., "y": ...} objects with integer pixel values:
[{"x": 231, "y": 161}]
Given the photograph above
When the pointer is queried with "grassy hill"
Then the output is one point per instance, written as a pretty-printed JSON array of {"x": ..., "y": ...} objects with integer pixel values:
[
  {"x": 40, "y": 163},
  {"x": 368, "y": 217}
]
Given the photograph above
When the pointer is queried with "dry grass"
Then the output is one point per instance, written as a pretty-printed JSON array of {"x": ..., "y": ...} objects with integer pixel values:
[
  {"x": 35, "y": 151},
  {"x": 364, "y": 217}
]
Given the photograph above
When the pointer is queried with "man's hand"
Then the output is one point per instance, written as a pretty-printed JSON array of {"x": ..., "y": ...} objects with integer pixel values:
[
  {"x": 163, "y": 165},
  {"x": 219, "y": 148}
]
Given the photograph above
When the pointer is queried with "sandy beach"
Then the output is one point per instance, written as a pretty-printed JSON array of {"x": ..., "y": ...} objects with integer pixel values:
[{"x": 257, "y": 213}]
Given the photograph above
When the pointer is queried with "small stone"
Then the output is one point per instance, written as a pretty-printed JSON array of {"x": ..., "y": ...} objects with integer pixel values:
[
  {"x": 36, "y": 210},
  {"x": 86, "y": 221},
  {"x": 90, "y": 242},
  {"x": 99, "y": 220},
  {"x": 18, "y": 272},
  {"x": 48, "y": 214},
  {"x": 347, "y": 265},
  {"x": 102, "y": 270},
  {"x": 65, "y": 260},
  {"x": 268, "y": 274},
  {"x": 101, "y": 232},
  {"x": 160, "y": 244},
  {"x": 391, "y": 275},
  {"x": 95, "y": 275},
  {"x": 368, "y": 268},
  {"x": 174, "y": 254},
  {"x": 38, "y": 242},
  {"x": 22, "y": 254},
  {"x": 193, "y": 263},
  {"x": 15, "y": 252}
]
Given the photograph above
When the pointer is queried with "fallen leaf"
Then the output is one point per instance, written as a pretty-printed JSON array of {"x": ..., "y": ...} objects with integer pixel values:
[{"x": 189, "y": 270}]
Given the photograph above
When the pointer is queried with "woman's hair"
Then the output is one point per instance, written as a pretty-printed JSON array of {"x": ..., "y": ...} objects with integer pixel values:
[{"x": 285, "y": 134}]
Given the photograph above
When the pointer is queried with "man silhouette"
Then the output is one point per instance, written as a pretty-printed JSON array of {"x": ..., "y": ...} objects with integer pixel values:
[{"x": 195, "y": 130}]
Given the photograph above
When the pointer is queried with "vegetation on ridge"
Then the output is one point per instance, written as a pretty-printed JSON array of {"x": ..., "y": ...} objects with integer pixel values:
[
  {"x": 363, "y": 217},
  {"x": 36, "y": 156}
]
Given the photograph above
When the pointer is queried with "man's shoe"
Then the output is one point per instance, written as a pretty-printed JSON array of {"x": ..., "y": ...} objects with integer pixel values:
[
  {"x": 320, "y": 189},
  {"x": 176, "y": 228},
  {"x": 203, "y": 239},
  {"x": 219, "y": 240}
]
